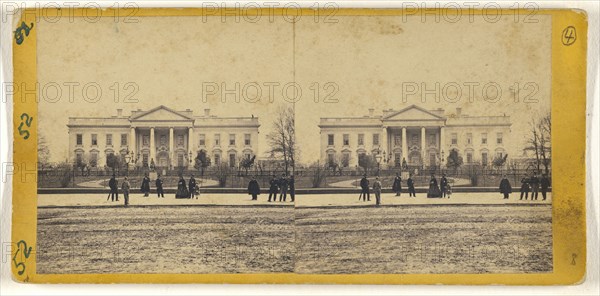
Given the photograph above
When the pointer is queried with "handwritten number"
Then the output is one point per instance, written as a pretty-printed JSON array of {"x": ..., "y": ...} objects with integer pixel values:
[
  {"x": 25, "y": 119},
  {"x": 21, "y": 248},
  {"x": 19, "y": 32}
]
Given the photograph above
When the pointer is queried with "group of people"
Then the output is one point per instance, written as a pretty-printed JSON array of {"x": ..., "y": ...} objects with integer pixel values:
[
  {"x": 189, "y": 190},
  {"x": 443, "y": 190},
  {"x": 533, "y": 184},
  {"x": 277, "y": 186}
]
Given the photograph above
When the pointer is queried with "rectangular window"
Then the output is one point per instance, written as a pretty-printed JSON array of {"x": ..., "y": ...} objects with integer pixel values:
[
  {"x": 217, "y": 139},
  {"x": 202, "y": 139},
  {"x": 499, "y": 138},
  {"x": 345, "y": 159},
  {"x": 431, "y": 140},
  {"x": 247, "y": 139},
  {"x": 361, "y": 139},
  {"x": 499, "y": 155},
  {"x": 145, "y": 140},
  {"x": 469, "y": 157},
  {"x": 217, "y": 159},
  {"x": 94, "y": 139},
  {"x": 454, "y": 138},
  {"x": 123, "y": 139},
  {"x": 469, "y": 138},
  {"x": 79, "y": 139},
  {"x": 109, "y": 140},
  {"x": 78, "y": 158},
  {"x": 346, "y": 139},
  {"x": 180, "y": 140},
  {"x": 93, "y": 159},
  {"x": 484, "y": 138},
  {"x": 163, "y": 140},
  {"x": 231, "y": 139},
  {"x": 180, "y": 159},
  {"x": 330, "y": 141},
  {"x": 397, "y": 140},
  {"x": 232, "y": 160},
  {"x": 484, "y": 158},
  {"x": 330, "y": 159},
  {"x": 375, "y": 139}
]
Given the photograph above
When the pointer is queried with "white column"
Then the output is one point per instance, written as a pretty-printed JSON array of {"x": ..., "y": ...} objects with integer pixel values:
[
  {"x": 152, "y": 147},
  {"x": 132, "y": 141},
  {"x": 404, "y": 145},
  {"x": 190, "y": 147},
  {"x": 423, "y": 148},
  {"x": 384, "y": 146},
  {"x": 442, "y": 141},
  {"x": 171, "y": 148}
]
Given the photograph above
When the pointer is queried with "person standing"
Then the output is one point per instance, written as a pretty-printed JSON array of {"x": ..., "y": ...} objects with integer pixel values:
[
  {"x": 535, "y": 186},
  {"x": 545, "y": 182},
  {"x": 444, "y": 185},
  {"x": 505, "y": 187},
  {"x": 411, "y": 187},
  {"x": 273, "y": 189},
  {"x": 114, "y": 188},
  {"x": 192, "y": 187},
  {"x": 283, "y": 186},
  {"x": 292, "y": 189},
  {"x": 182, "y": 191},
  {"x": 125, "y": 186},
  {"x": 159, "y": 187},
  {"x": 254, "y": 188},
  {"x": 524, "y": 187},
  {"x": 397, "y": 185},
  {"x": 146, "y": 185},
  {"x": 434, "y": 190},
  {"x": 364, "y": 186},
  {"x": 377, "y": 190}
]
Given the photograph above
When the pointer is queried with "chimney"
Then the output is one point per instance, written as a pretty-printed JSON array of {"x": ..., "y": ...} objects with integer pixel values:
[
  {"x": 206, "y": 112},
  {"x": 119, "y": 112},
  {"x": 371, "y": 110},
  {"x": 458, "y": 112}
]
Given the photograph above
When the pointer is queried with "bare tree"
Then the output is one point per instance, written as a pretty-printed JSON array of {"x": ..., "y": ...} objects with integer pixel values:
[
  {"x": 539, "y": 142},
  {"x": 43, "y": 151},
  {"x": 282, "y": 139}
]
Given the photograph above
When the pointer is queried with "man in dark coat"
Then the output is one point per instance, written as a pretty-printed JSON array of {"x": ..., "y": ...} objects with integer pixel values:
[
  {"x": 364, "y": 189},
  {"x": 283, "y": 186},
  {"x": 505, "y": 187},
  {"x": 444, "y": 185},
  {"x": 145, "y": 185},
  {"x": 524, "y": 187},
  {"x": 254, "y": 188},
  {"x": 114, "y": 188},
  {"x": 411, "y": 187},
  {"x": 192, "y": 187},
  {"x": 159, "y": 187},
  {"x": 534, "y": 182},
  {"x": 545, "y": 182},
  {"x": 397, "y": 185},
  {"x": 273, "y": 189},
  {"x": 292, "y": 189}
]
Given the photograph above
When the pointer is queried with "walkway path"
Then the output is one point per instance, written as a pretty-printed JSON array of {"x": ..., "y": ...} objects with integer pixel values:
[
  {"x": 100, "y": 183},
  {"x": 302, "y": 201},
  {"x": 353, "y": 183}
]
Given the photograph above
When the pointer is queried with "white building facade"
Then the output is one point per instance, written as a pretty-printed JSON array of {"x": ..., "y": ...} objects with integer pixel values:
[
  {"x": 415, "y": 135},
  {"x": 163, "y": 137}
]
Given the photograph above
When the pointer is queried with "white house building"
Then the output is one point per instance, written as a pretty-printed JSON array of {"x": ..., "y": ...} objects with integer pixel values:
[
  {"x": 418, "y": 136},
  {"x": 162, "y": 136}
]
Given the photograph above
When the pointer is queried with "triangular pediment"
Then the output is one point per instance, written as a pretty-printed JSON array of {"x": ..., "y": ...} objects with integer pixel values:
[
  {"x": 161, "y": 113},
  {"x": 412, "y": 113}
]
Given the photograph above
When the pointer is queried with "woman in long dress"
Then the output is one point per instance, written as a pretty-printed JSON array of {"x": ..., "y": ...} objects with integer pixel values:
[
  {"x": 182, "y": 191},
  {"x": 434, "y": 190}
]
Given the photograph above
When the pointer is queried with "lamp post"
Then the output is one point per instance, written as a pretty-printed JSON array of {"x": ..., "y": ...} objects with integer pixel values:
[{"x": 130, "y": 158}]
